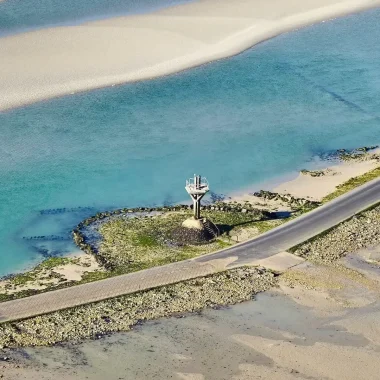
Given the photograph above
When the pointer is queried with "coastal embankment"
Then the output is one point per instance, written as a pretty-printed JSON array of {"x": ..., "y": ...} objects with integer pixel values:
[
  {"x": 326, "y": 305},
  {"x": 138, "y": 246},
  {"x": 240, "y": 218},
  {"x": 66, "y": 60}
]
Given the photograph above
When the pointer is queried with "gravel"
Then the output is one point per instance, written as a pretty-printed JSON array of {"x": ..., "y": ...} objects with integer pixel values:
[
  {"x": 121, "y": 313},
  {"x": 361, "y": 231}
]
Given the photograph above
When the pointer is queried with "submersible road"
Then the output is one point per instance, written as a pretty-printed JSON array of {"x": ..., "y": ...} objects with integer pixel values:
[{"x": 275, "y": 241}]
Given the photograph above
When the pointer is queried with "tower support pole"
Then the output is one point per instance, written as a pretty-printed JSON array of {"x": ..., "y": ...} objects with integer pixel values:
[{"x": 197, "y": 205}]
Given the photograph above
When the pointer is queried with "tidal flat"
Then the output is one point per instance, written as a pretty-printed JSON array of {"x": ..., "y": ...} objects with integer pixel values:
[{"x": 301, "y": 330}]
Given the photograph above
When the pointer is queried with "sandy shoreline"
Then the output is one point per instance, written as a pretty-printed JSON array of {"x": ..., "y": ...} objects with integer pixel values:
[
  {"x": 316, "y": 188},
  {"x": 313, "y": 188},
  {"x": 67, "y": 60}
]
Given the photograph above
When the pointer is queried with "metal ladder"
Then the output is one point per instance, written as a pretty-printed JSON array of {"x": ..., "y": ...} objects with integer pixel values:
[{"x": 207, "y": 225}]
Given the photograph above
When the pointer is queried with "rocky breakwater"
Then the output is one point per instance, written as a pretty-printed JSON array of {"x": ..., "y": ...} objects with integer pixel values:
[
  {"x": 365, "y": 153},
  {"x": 122, "y": 313},
  {"x": 293, "y": 202},
  {"x": 318, "y": 173},
  {"x": 362, "y": 230}
]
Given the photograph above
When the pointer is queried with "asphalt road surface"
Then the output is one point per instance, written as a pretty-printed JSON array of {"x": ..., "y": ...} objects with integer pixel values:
[{"x": 272, "y": 242}]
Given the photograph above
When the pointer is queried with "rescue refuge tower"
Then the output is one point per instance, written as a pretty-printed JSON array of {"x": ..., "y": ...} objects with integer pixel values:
[{"x": 197, "y": 187}]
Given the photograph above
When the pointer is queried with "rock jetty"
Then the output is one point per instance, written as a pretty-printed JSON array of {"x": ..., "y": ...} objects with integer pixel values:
[{"x": 364, "y": 153}]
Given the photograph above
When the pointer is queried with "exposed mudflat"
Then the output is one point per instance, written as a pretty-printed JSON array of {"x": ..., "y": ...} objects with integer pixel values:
[{"x": 322, "y": 323}]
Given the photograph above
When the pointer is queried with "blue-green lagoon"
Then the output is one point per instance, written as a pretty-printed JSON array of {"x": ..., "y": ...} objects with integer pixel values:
[{"x": 241, "y": 122}]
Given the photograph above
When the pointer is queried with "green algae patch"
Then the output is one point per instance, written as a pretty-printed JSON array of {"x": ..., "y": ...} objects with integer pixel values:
[
  {"x": 53, "y": 273},
  {"x": 39, "y": 271}
]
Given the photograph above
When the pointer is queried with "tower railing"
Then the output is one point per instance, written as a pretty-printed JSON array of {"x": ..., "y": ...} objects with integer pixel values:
[
  {"x": 197, "y": 187},
  {"x": 192, "y": 184}
]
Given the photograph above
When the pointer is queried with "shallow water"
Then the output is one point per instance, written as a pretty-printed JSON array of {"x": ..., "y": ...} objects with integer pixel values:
[
  {"x": 18, "y": 16},
  {"x": 239, "y": 121}
]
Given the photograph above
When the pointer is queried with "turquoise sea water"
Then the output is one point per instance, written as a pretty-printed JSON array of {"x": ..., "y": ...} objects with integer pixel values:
[
  {"x": 239, "y": 121},
  {"x": 22, "y": 15}
]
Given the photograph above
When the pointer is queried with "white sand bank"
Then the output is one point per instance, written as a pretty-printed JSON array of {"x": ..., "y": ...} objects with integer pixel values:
[
  {"x": 58, "y": 61},
  {"x": 316, "y": 188},
  {"x": 313, "y": 188}
]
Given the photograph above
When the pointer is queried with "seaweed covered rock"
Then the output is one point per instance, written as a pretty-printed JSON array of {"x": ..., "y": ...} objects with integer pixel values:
[
  {"x": 294, "y": 202},
  {"x": 358, "y": 154}
]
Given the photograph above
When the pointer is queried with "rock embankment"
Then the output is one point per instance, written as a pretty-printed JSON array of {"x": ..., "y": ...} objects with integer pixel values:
[
  {"x": 364, "y": 153},
  {"x": 121, "y": 313},
  {"x": 289, "y": 199},
  {"x": 363, "y": 230},
  {"x": 318, "y": 173}
]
